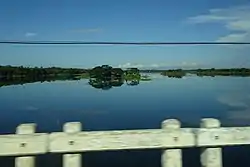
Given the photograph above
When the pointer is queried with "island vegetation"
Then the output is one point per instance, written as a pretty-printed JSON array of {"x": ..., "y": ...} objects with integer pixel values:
[
  {"x": 179, "y": 73},
  {"x": 104, "y": 76},
  {"x": 11, "y": 75},
  {"x": 242, "y": 72},
  {"x": 106, "y": 71},
  {"x": 36, "y": 72}
]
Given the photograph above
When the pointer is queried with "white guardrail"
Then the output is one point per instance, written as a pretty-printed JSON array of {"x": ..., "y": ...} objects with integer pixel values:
[{"x": 25, "y": 144}]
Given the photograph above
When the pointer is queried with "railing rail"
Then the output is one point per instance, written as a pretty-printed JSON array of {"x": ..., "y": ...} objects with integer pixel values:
[{"x": 170, "y": 138}]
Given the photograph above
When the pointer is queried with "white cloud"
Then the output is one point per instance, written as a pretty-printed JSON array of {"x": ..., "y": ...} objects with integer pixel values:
[
  {"x": 159, "y": 65},
  {"x": 232, "y": 101},
  {"x": 155, "y": 65},
  {"x": 234, "y": 19},
  {"x": 30, "y": 34},
  {"x": 136, "y": 65},
  {"x": 130, "y": 65},
  {"x": 184, "y": 63},
  {"x": 189, "y": 64},
  {"x": 233, "y": 37},
  {"x": 194, "y": 64}
]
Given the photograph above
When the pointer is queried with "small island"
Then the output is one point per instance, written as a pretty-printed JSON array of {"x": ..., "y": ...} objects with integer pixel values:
[{"x": 105, "y": 77}]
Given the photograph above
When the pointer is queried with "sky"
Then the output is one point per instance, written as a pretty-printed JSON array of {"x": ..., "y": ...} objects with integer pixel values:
[{"x": 126, "y": 21}]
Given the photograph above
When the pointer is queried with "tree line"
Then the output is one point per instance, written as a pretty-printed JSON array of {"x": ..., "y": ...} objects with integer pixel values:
[
  {"x": 207, "y": 72},
  {"x": 37, "y": 72},
  {"x": 100, "y": 76},
  {"x": 222, "y": 72}
]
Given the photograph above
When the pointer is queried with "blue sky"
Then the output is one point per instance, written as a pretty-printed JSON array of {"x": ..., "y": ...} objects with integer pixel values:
[{"x": 131, "y": 21}]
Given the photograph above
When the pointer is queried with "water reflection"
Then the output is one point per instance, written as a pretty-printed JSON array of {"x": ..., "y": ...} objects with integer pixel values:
[
  {"x": 25, "y": 80},
  {"x": 105, "y": 83},
  {"x": 108, "y": 83},
  {"x": 133, "y": 82},
  {"x": 105, "y": 77},
  {"x": 189, "y": 100}
]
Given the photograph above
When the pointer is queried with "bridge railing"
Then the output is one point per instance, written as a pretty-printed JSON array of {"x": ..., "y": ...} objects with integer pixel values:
[{"x": 171, "y": 138}]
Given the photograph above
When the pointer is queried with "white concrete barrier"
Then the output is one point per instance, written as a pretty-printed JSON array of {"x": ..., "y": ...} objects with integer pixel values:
[{"x": 210, "y": 137}]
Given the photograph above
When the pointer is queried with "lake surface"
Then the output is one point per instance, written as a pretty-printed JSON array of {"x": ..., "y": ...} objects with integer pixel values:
[{"x": 146, "y": 105}]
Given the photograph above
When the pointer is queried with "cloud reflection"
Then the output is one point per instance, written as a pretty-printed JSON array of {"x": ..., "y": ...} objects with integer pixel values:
[{"x": 239, "y": 104}]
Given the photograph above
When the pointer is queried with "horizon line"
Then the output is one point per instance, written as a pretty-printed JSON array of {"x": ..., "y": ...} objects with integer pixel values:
[
  {"x": 15, "y": 66},
  {"x": 118, "y": 43}
]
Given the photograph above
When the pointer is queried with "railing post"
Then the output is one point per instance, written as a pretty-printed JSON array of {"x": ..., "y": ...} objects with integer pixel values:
[
  {"x": 25, "y": 161},
  {"x": 171, "y": 157},
  {"x": 211, "y": 157},
  {"x": 72, "y": 160}
]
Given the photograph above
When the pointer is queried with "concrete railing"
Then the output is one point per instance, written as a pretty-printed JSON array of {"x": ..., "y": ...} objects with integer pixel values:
[{"x": 210, "y": 137}]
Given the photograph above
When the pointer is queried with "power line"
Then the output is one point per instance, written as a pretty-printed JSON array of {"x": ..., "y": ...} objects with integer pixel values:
[{"x": 119, "y": 43}]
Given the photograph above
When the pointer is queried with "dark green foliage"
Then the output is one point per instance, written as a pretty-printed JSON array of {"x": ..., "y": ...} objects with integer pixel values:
[
  {"x": 12, "y": 72},
  {"x": 105, "y": 77},
  {"x": 13, "y": 75},
  {"x": 25, "y": 80},
  {"x": 178, "y": 73},
  {"x": 132, "y": 74},
  {"x": 106, "y": 71},
  {"x": 222, "y": 72},
  {"x": 132, "y": 71},
  {"x": 105, "y": 84},
  {"x": 132, "y": 82}
]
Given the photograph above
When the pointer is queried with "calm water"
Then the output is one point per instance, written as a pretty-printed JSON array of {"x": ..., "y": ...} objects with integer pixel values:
[{"x": 51, "y": 104}]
